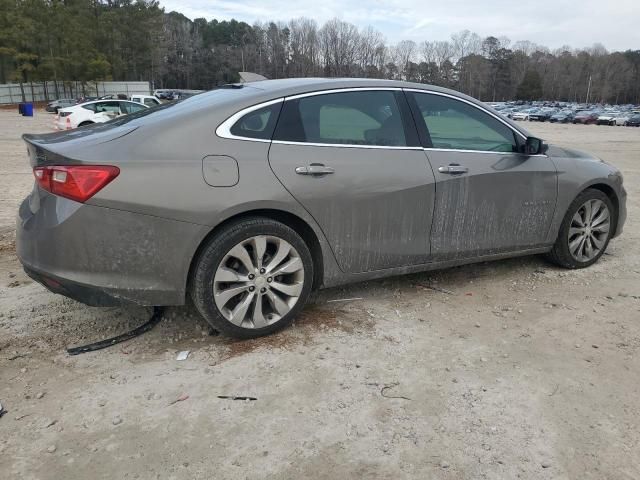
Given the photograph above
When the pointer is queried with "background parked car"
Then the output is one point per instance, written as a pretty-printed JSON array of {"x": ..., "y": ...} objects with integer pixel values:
[
  {"x": 607, "y": 118},
  {"x": 98, "y": 111},
  {"x": 541, "y": 115},
  {"x": 622, "y": 118},
  {"x": 522, "y": 114},
  {"x": 148, "y": 100},
  {"x": 564, "y": 116},
  {"x": 633, "y": 121},
  {"x": 586, "y": 118},
  {"x": 60, "y": 103}
]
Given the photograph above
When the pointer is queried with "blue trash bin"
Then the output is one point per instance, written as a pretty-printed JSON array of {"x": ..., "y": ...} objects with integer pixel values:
[{"x": 27, "y": 110}]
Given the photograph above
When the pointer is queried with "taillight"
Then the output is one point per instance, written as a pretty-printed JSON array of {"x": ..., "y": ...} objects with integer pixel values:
[
  {"x": 76, "y": 182},
  {"x": 65, "y": 114}
]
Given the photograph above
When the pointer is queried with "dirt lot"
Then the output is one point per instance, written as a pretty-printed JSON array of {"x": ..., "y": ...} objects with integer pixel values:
[{"x": 522, "y": 370}]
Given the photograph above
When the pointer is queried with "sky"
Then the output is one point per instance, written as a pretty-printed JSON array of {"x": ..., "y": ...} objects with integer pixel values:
[{"x": 553, "y": 23}]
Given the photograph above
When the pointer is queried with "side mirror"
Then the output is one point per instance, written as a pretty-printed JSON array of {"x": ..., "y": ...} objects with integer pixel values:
[{"x": 535, "y": 146}]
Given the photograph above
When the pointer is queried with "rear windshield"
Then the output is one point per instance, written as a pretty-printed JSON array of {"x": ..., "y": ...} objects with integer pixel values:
[{"x": 210, "y": 98}]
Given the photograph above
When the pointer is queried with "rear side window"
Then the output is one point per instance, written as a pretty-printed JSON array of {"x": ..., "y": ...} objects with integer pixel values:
[
  {"x": 456, "y": 125},
  {"x": 90, "y": 106},
  {"x": 151, "y": 102},
  {"x": 257, "y": 124},
  {"x": 130, "y": 107},
  {"x": 348, "y": 118},
  {"x": 107, "y": 107}
]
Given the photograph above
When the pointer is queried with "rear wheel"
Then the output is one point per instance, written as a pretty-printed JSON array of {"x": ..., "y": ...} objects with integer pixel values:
[
  {"x": 585, "y": 231},
  {"x": 253, "y": 278}
]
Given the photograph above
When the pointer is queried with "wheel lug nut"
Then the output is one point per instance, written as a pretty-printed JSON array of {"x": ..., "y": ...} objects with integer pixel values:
[
  {"x": 251, "y": 276},
  {"x": 262, "y": 270},
  {"x": 251, "y": 289},
  {"x": 262, "y": 290},
  {"x": 269, "y": 279}
]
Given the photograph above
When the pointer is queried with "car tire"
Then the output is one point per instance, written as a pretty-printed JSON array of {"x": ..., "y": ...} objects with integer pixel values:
[
  {"x": 223, "y": 253},
  {"x": 561, "y": 254}
]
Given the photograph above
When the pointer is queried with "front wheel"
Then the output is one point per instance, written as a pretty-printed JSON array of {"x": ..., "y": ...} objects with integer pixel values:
[
  {"x": 253, "y": 278},
  {"x": 585, "y": 231}
]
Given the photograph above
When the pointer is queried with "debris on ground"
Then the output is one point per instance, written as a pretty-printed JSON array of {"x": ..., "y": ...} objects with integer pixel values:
[
  {"x": 389, "y": 386},
  {"x": 183, "y": 355},
  {"x": 181, "y": 398},
  {"x": 233, "y": 397},
  {"x": 145, "y": 327},
  {"x": 2, "y": 410},
  {"x": 345, "y": 299},
  {"x": 436, "y": 289}
]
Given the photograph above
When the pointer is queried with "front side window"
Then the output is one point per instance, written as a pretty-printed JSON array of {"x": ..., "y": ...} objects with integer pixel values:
[
  {"x": 258, "y": 123},
  {"x": 348, "y": 118},
  {"x": 456, "y": 125}
]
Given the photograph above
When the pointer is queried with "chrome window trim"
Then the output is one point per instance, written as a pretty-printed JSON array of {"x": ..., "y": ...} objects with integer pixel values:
[
  {"x": 501, "y": 120},
  {"x": 343, "y": 90},
  {"x": 492, "y": 152},
  {"x": 343, "y": 145},
  {"x": 224, "y": 129}
]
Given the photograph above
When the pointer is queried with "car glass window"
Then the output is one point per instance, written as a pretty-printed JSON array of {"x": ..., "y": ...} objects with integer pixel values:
[
  {"x": 130, "y": 107},
  {"x": 349, "y": 118},
  {"x": 107, "y": 107},
  {"x": 90, "y": 106},
  {"x": 257, "y": 124},
  {"x": 456, "y": 125},
  {"x": 150, "y": 102}
]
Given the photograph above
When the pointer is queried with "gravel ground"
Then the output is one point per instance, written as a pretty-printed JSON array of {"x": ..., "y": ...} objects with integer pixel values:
[{"x": 521, "y": 370}]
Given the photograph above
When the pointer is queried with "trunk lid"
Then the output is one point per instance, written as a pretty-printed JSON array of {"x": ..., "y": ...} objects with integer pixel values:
[{"x": 66, "y": 147}]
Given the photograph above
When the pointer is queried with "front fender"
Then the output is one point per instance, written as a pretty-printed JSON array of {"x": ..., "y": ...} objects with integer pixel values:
[{"x": 576, "y": 174}]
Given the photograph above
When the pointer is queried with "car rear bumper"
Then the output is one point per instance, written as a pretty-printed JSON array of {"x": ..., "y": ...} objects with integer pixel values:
[{"x": 102, "y": 256}]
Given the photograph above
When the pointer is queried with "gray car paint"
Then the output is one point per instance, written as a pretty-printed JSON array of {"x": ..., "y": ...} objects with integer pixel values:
[
  {"x": 362, "y": 207},
  {"x": 137, "y": 237},
  {"x": 505, "y": 201}
]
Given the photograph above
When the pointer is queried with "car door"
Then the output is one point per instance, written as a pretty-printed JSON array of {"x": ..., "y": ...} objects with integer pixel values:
[
  {"x": 489, "y": 197},
  {"x": 353, "y": 160}
]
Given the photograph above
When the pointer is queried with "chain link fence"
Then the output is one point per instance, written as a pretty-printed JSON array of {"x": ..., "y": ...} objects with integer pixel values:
[{"x": 46, "y": 91}]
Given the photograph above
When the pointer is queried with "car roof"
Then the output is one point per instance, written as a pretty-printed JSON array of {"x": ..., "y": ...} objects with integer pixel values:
[
  {"x": 293, "y": 86},
  {"x": 299, "y": 85},
  {"x": 230, "y": 99}
]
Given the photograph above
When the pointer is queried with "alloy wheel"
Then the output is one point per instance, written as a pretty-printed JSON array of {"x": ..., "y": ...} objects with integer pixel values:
[
  {"x": 258, "y": 281},
  {"x": 589, "y": 230}
]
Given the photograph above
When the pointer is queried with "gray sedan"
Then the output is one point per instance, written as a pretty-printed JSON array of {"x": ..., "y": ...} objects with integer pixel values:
[{"x": 247, "y": 197}]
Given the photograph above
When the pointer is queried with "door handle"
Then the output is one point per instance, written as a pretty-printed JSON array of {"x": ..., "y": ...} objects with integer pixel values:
[
  {"x": 453, "y": 169},
  {"x": 315, "y": 169}
]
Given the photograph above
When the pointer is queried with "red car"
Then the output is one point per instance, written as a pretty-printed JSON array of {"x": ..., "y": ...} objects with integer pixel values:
[{"x": 586, "y": 118}]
